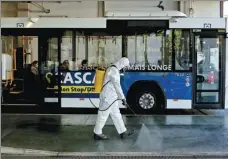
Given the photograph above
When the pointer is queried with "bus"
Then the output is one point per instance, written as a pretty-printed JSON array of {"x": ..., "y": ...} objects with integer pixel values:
[{"x": 176, "y": 62}]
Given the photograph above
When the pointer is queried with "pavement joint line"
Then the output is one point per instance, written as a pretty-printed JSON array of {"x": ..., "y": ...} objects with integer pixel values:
[
  {"x": 87, "y": 119},
  {"x": 11, "y": 150},
  {"x": 26, "y": 152},
  {"x": 40, "y": 152},
  {"x": 6, "y": 132},
  {"x": 138, "y": 115}
]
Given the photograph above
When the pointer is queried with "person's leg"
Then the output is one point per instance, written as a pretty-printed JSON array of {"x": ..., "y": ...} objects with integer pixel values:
[
  {"x": 102, "y": 117},
  {"x": 118, "y": 121},
  {"x": 117, "y": 118}
]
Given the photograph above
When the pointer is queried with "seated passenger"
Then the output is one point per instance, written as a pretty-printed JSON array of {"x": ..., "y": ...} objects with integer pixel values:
[
  {"x": 84, "y": 64},
  {"x": 65, "y": 66},
  {"x": 34, "y": 67}
]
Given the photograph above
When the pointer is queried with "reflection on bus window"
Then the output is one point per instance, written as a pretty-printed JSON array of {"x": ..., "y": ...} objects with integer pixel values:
[
  {"x": 7, "y": 44},
  {"x": 8, "y": 57},
  {"x": 104, "y": 50},
  {"x": 53, "y": 49},
  {"x": 80, "y": 50},
  {"x": 66, "y": 45},
  {"x": 182, "y": 51},
  {"x": 93, "y": 50},
  {"x": 50, "y": 56},
  {"x": 135, "y": 49},
  {"x": 67, "y": 51}
]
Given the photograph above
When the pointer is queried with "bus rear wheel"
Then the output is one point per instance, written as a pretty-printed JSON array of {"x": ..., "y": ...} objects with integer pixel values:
[{"x": 146, "y": 98}]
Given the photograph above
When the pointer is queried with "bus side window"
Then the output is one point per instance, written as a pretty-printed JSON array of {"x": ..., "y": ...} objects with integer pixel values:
[
  {"x": 154, "y": 49},
  {"x": 181, "y": 49},
  {"x": 81, "y": 50},
  {"x": 135, "y": 49},
  {"x": 104, "y": 50}
]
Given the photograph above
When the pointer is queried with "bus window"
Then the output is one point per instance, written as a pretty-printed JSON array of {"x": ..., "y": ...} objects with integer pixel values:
[
  {"x": 182, "y": 51},
  {"x": 113, "y": 48},
  {"x": 153, "y": 50},
  {"x": 93, "y": 44},
  {"x": 135, "y": 49},
  {"x": 104, "y": 50},
  {"x": 160, "y": 49},
  {"x": 49, "y": 55},
  {"x": 67, "y": 51},
  {"x": 52, "y": 49},
  {"x": 7, "y": 44},
  {"x": 81, "y": 53},
  {"x": 8, "y": 55}
]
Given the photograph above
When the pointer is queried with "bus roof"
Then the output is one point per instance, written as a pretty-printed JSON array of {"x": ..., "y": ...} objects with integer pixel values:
[{"x": 96, "y": 23}]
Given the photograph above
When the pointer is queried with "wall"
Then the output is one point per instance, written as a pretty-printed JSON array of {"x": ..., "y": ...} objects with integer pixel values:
[
  {"x": 70, "y": 9},
  {"x": 23, "y": 10},
  {"x": 202, "y": 8},
  {"x": 207, "y": 8},
  {"x": 8, "y": 9},
  {"x": 139, "y": 5},
  {"x": 89, "y": 9}
]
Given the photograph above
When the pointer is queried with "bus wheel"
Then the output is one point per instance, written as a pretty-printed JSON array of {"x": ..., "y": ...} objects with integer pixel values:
[{"x": 146, "y": 98}]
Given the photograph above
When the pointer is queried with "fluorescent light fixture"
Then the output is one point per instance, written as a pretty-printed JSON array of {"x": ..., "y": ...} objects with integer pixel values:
[
  {"x": 29, "y": 24},
  {"x": 31, "y": 21}
]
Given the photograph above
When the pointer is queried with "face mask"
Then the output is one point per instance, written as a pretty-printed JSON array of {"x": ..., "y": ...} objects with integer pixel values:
[
  {"x": 121, "y": 74},
  {"x": 122, "y": 71}
]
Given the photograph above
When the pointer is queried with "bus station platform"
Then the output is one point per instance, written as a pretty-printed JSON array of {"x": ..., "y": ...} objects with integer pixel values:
[{"x": 174, "y": 136}]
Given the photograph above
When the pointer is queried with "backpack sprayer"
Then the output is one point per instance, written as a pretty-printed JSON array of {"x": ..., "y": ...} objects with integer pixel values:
[{"x": 99, "y": 80}]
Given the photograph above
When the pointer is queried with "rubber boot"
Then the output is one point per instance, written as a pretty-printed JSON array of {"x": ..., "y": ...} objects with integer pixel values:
[
  {"x": 100, "y": 137},
  {"x": 127, "y": 134}
]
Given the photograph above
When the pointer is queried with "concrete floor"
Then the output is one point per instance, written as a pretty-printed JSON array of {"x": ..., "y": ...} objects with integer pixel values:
[{"x": 73, "y": 133}]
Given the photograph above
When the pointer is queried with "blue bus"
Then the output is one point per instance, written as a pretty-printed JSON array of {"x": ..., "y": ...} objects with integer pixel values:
[{"x": 175, "y": 63}]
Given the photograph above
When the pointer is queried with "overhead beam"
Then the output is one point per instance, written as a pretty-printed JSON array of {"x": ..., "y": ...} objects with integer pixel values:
[{"x": 106, "y": 0}]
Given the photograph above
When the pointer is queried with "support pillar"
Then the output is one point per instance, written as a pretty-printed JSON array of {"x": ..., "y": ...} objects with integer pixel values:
[
  {"x": 221, "y": 9},
  {"x": 101, "y": 8},
  {"x": 8, "y": 9},
  {"x": 24, "y": 11}
]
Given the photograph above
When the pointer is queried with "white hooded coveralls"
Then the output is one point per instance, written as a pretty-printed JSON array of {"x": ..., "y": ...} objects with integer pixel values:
[{"x": 111, "y": 91}]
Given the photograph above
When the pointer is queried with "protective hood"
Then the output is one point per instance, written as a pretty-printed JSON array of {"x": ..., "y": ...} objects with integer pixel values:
[{"x": 123, "y": 62}]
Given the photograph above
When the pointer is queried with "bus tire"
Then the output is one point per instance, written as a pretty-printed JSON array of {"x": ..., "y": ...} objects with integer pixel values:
[{"x": 146, "y": 98}]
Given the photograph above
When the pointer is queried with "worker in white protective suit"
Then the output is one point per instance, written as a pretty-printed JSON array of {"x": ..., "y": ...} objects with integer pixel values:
[{"x": 111, "y": 91}]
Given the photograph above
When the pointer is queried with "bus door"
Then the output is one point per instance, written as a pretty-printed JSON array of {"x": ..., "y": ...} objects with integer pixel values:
[
  {"x": 49, "y": 57},
  {"x": 208, "y": 66}
]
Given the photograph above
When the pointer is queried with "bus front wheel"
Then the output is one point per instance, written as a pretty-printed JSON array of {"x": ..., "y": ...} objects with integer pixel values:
[{"x": 146, "y": 98}]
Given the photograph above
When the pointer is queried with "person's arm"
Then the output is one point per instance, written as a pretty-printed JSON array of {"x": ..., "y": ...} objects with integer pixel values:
[{"x": 115, "y": 79}]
